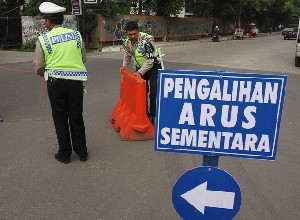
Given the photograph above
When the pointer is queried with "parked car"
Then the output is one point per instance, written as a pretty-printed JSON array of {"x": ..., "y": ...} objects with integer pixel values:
[{"x": 289, "y": 33}]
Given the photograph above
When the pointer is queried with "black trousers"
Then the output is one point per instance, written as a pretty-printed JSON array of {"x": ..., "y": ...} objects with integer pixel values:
[
  {"x": 66, "y": 99},
  {"x": 151, "y": 86}
]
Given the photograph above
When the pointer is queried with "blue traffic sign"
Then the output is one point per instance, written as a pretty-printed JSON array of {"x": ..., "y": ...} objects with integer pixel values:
[
  {"x": 206, "y": 193},
  {"x": 219, "y": 113}
]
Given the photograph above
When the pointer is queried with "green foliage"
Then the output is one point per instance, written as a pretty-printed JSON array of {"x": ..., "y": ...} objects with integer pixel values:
[
  {"x": 28, "y": 46},
  {"x": 89, "y": 23},
  {"x": 273, "y": 12},
  {"x": 201, "y": 8},
  {"x": 9, "y": 8},
  {"x": 31, "y": 9},
  {"x": 260, "y": 11},
  {"x": 161, "y": 7},
  {"x": 229, "y": 11},
  {"x": 110, "y": 7}
]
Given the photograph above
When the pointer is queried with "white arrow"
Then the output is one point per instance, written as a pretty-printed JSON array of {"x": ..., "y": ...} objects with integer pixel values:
[{"x": 199, "y": 197}]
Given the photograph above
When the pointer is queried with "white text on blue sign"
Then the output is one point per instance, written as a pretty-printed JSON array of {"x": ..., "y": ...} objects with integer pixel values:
[{"x": 219, "y": 113}]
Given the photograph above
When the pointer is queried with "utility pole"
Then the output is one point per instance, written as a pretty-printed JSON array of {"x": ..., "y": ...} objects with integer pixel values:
[
  {"x": 140, "y": 7},
  {"x": 240, "y": 14}
]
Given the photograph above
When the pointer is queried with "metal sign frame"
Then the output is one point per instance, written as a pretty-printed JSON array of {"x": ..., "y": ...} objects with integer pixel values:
[
  {"x": 91, "y": 1},
  {"x": 76, "y": 7}
]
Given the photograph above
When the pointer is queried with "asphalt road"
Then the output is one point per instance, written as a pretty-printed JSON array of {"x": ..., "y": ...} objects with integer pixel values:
[{"x": 129, "y": 180}]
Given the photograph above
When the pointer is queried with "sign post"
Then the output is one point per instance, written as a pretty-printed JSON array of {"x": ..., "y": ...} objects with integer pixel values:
[{"x": 211, "y": 161}]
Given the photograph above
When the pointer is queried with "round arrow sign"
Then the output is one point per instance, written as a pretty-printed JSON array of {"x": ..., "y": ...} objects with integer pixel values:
[{"x": 207, "y": 193}]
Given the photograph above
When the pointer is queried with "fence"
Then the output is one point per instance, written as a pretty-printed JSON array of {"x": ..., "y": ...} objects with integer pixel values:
[{"x": 10, "y": 31}]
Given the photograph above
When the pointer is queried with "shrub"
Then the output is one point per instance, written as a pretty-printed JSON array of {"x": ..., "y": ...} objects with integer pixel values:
[{"x": 29, "y": 46}]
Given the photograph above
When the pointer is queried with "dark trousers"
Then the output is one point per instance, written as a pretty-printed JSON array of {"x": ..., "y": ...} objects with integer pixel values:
[
  {"x": 151, "y": 85},
  {"x": 66, "y": 99}
]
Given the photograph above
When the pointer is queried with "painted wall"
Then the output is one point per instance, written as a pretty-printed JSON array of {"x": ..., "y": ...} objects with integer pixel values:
[
  {"x": 32, "y": 27},
  {"x": 112, "y": 28}
]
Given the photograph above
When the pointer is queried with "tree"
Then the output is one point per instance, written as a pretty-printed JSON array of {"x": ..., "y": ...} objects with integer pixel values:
[
  {"x": 163, "y": 7},
  {"x": 10, "y": 7},
  {"x": 110, "y": 7},
  {"x": 200, "y": 8}
]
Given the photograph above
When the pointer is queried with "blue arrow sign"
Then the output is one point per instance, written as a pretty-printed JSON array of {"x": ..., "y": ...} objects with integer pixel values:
[
  {"x": 206, "y": 193},
  {"x": 219, "y": 113}
]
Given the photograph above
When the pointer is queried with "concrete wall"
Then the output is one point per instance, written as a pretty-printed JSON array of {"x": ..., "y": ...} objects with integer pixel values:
[
  {"x": 32, "y": 27},
  {"x": 111, "y": 29}
]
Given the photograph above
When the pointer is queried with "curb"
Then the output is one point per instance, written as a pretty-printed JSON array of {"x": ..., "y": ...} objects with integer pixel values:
[{"x": 119, "y": 48}]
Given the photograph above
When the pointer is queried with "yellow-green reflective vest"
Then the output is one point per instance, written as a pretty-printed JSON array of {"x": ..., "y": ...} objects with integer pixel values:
[
  {"x": 63, "y": 55},
  {"x": 139, "y": 54}
]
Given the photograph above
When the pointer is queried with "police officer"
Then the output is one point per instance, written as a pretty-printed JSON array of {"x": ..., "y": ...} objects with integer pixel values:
[
  {"x": 140, "y": 48},
  {"x": 59, "y": 58}
]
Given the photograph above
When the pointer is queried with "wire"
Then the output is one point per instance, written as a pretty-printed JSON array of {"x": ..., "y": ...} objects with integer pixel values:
[{"x": 11, "y": 10}]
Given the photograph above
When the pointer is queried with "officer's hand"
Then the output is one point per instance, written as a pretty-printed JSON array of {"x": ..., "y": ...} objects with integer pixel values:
[
  {"x": 41, "y": 72},
  {"x": 123, "y": 68},
  {"x": 137, "y": 74}
]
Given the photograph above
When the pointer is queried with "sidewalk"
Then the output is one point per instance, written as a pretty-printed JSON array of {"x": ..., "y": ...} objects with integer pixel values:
[
  {"x": 7, "y": 56},
  {"x": 118, "y": 48}
]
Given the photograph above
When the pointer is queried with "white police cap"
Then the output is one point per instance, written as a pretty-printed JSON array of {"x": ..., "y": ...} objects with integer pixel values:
[{"x": 50, "y": 8}]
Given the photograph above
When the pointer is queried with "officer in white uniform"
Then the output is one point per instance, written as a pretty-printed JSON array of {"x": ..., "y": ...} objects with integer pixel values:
[{"x": 59, "y": 58}]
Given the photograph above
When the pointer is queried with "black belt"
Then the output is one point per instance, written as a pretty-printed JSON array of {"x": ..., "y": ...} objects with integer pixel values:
[{"x": 53, "y": 79}]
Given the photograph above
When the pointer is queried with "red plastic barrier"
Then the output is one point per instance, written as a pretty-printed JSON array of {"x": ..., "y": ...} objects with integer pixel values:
[{"x": 129, "y": 115}]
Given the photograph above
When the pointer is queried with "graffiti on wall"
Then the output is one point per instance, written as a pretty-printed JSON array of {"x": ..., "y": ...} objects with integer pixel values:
[
  {"x": 116, "y": 29},
  {"x": 119, "y": 29},
  {"x": 32, "y": 27},
  {"x": 113, "y": 28}
]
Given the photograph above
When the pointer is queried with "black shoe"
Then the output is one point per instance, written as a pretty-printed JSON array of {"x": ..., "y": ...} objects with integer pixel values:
[
  {"x": 83, "y": 158},
  {"x": 58, "y": 158}
]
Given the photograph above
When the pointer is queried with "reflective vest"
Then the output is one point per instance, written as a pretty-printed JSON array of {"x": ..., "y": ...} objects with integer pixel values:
[
  {"x": 63, "y": 55},
  {"x": 143, "y": 49}
]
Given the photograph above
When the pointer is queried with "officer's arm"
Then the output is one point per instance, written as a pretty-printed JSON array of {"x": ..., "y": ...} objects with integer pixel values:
[
  {"x": 149, "y": 52},
  {"x": 83, "y": 52},
  {"x": 126, "y": 60},
  {"x": 38, "y": 61},
  {"x": 147, "y": 65}
]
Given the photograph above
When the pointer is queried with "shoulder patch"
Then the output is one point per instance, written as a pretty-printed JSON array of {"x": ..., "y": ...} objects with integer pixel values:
[{"x": 149, "y": 50}]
